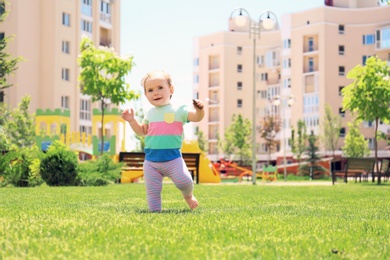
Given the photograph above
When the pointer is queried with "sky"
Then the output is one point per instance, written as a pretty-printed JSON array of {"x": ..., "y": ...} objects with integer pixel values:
[{"x": 159, "y": 34}]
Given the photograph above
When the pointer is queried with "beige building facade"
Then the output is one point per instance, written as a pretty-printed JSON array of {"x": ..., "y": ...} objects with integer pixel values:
[
  {"x": 47, "y": 35},
  {"x": 307, "y": 56}
]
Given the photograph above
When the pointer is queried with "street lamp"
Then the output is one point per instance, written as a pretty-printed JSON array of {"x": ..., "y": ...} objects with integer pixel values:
[
  {"x": 267, "y": 23},
  {"x": 278, "y": 102}
]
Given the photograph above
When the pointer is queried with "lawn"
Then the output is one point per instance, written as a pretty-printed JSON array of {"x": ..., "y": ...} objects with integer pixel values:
[{"x": 350, "y": 221}]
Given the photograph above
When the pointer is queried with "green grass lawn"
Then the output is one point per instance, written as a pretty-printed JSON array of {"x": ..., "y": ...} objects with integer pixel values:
[{"x": 350, "y": 221}]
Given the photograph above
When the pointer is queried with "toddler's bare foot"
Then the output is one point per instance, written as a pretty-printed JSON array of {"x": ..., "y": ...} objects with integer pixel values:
[{"x": 191, "y": 201}]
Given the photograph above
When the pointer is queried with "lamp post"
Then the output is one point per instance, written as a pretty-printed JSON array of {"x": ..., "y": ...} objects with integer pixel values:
[
  {"x": 278, "y": 102},
  {"x": 266, "y": 22}
]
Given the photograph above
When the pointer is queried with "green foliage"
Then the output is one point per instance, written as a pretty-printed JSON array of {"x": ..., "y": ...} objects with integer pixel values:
[
  {"x": 331, "y": 129},
  {"x": 8, "y": 64},
  {"x": 20, "y": 167},
  {"x": 232, "y": 222},
  {"x": 238, "y": 137},
  {"x": 59, "y": 165},
  {"x": 369, "y": 94},
  {"x": 354, "y": 144},
  {"x": 202, "y": 142},
  {"x": 226, "y": 144},
  {"x": 298, "y": 145},
  {"x": 312, "y": 168},
  {"x": 19, "y": 128},
  {"x": 102, "y": 77},
  {"x": 98, "y": 172},
  {"x": 141, "y": 138},
  {"x": 268, "y": 131}
]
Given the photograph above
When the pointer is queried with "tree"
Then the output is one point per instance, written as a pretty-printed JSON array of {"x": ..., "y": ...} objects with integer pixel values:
[
  {"x": 331, "y": 129},
  {"x": 270, "y": 127},
  {"x": 20, "y": 128},
  {"x": 355, "y": 145},
  {"x": 369, "y": 95},
  {"x": 8, "y": 65},
  {"x": 298, "y": 146},
  {"x": 312, "y": 154},
  {"x": 102, "y": 77},
  {"x": 227, "y": 144},
  {"x": 239, "y": 134},
  {"x": 202, "y": 142},
  {"x": 141, "y": 139}
]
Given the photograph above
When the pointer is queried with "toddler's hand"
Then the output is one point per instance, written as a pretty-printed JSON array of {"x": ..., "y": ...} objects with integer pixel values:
[
  {"x": 198, "y": 104},
  {"x": 128, "y": 115}
]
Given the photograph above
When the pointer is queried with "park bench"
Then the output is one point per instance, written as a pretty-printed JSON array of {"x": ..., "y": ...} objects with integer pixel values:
[
  {"x": 134, "y": 162},
  {"x": 355, "y": 167},
  {"x": 384, "y": 170}
]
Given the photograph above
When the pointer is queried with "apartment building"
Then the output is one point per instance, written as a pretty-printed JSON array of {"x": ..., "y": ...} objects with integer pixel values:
[
  {"x": 307, "y": 56},
  {"x": 47, "y": 35}
]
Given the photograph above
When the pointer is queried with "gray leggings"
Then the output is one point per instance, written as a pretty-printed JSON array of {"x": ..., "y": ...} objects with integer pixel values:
[{"x": 154, "y": 172}]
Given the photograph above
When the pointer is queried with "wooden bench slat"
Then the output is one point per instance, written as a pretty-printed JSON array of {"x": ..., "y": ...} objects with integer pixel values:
[
  {"x": 355, "y": 167},
  {"x": 135, "y": 161}
]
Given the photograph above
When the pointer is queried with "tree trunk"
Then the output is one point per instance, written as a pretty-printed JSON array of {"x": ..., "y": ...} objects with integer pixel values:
[
  {"x": 376, "y": 154},
  {"x": 102, "y": 130}
]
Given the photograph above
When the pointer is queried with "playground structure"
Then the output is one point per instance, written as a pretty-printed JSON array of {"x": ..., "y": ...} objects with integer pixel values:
[
  {"x": 207, "y": 172},
  {"x": 55, "y": 125}
]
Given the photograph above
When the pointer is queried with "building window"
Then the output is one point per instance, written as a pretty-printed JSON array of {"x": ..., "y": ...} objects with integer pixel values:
[
  {"x": 260, "y": 60},
  {"x": 341, "y": 90},
  {"x": 65, "y": 102},
  {"x": 239, "y": 50},
  {"x": 1, "y": 96},
  {"x": 85, "y": 109},
  {"x": 364, "y": 58},
  {"x": 2, "y": 36},
  {"x": 311, "y": 44},
  {"x": 342, "y": 132},
  {"x": 86, "y": 7},
  {"x": 239, "y": 85},
  {"x": 341, "y": 112},
  {"x": 341, "y": 49},
  {"x": 370, "y": 142},
  {"x": 367, "y": 124},
  {"x": 196, "y": 62},
  {"x": 287, "y": 44},
  {"x": 341, "y": 70},
  {"x": 65, "y": 47},
  {"x": 311, "y": 64},
  {"x": 105, "y": 7},
  {"x": 341, "y": 29},
  {"x": 86, "y": 26},
  {"x": 2, "y": 7},
  {"x": 66, "y": 19},
  {"x": 368, "y": 39},
  {"x": 239, "y": 68},
  {"x": 65, "y": 74},
  {"x": 239, "y": 102}
]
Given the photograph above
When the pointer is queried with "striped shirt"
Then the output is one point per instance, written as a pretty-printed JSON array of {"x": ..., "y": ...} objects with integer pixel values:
[{"x": 165, "y": 132}]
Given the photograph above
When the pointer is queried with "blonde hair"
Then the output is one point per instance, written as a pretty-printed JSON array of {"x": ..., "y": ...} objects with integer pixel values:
[{"x": 157, "y": 74}]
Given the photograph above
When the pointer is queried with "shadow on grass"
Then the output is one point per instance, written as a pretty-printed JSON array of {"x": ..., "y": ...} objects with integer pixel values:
[{"x": 164, "y": 211}]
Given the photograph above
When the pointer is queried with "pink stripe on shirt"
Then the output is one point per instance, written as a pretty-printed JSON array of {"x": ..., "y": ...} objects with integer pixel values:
[{"x": 163, "y": 128}]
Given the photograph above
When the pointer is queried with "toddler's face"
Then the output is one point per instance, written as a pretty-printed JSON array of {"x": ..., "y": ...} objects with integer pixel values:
[{"x": 158, "y": 92}]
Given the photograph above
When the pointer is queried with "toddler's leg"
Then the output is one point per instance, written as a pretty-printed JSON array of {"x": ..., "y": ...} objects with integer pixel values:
[
  {"x": 178, "y": 172},
  {"x": 153, "y": 180}
]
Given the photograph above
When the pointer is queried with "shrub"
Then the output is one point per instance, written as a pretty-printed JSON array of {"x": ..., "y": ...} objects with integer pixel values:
[
  {"x": 98, "y": 172},
  {"x": 20, "y": 167},
  {"x": 59, "y": 166}
]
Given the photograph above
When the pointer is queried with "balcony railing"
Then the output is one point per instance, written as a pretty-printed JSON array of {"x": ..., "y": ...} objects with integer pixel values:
[{"x": 105, "y": 17}]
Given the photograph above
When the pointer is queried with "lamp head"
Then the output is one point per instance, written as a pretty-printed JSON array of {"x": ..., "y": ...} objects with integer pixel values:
[{"x": 240, "y": 20}]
